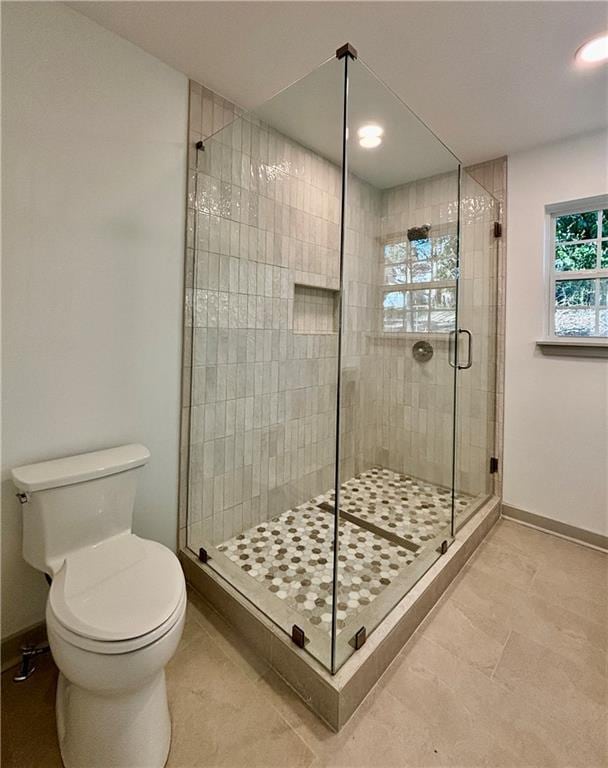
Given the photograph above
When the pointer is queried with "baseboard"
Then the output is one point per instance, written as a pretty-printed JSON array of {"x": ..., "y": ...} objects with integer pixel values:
[
  {"x": 557, "y": 528},
  {"x": 11, "y": 645}
]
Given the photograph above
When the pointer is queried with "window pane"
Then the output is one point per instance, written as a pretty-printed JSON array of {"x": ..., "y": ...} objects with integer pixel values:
[
  {"x": 444, "y": 246},
  {"x": 605, "y": 222},
  {"x": 443, "y": 321},
  {"x": 569, "y": 257},
  {"x": 421, "y": 271},
  {"x": 576, "y": 226},
  {"x": 604, "y": 255},
  {"x": 395, "y": 274},
  {"x": 443, "y": 298},
  {"x": 575, "y": 293},
  {"x": 574, "y": 322},
  {"x": 603, "y": 316},
  {"x": 421, "y": 249},
  {"x": 444, "y": 269},
  {"x": 603, "y": 302},
  {"x": 395, "y": 252},
  {"x": 420, "y": 321},
  {"x": 394, "y": 303},
  {"x": 419, "y": 299}
]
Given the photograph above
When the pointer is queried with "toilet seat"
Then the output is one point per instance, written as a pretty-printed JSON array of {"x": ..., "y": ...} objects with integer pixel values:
[{"x": 117, "y": 596}]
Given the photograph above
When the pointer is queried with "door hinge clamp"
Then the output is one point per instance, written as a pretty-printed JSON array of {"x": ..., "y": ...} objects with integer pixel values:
[
  {"x": 359, "y": 638},
  {"x": 203, "y": 556},
  {"x": 444, "y": 547},
  {"x": 493, "y": 465},
  {"x": 497, "y": 229},
  {"x": 298, "y": 636}
]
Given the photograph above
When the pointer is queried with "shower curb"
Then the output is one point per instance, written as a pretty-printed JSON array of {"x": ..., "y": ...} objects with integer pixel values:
[{"x": 334, "y": 698}]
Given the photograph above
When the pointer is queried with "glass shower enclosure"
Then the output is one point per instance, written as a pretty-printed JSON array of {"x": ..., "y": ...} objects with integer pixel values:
[{"x": 342, "y": 330}]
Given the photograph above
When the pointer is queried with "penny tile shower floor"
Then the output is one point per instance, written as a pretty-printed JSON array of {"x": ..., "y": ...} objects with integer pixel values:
[{"x": 292, "y": 553}]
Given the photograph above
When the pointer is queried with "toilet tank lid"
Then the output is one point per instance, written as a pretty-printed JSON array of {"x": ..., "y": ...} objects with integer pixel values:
[{"x": 77, "y": 469}]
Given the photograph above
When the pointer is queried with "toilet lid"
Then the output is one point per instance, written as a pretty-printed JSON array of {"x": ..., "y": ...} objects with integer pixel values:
[{"x": 119, "y": 589}]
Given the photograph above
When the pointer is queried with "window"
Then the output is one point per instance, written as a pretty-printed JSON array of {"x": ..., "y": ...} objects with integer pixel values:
[
  {"x": 578, "y": 256},
  {"x": 419, "y": 281}
]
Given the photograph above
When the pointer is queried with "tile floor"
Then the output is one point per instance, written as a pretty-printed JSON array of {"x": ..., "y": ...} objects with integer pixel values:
[
  {"x": 292, "y": 555},
  {"x": 509, "y": 670}
]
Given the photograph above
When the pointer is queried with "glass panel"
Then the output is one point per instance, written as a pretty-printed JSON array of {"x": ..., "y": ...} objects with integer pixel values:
[
  {"x": 477, "y": 308},
  {"x": 574, "y": 293},
  {"x": 571, "y": 257},
  {"x": 605, "y": 222},
  {"x": 395, "y": 274},
  {"x": 576, "y": 226},
  {"x": 604, "y": 255},
  {"x": 603, "y": 297},
  {"x": 574, "y": 322},
  {"x": 395, "y": 252},
  {"x": 265, "y": 204},
  {"x": 397, "y": 412},
  {"x": 394, "y": 303}
]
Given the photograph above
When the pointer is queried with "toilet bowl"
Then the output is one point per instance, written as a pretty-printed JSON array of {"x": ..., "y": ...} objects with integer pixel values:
[{"x": 115, "y": 610}]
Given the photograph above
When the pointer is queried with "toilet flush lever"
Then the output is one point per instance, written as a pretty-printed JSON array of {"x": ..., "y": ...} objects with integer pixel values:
[{"x": 23, "y": 497}]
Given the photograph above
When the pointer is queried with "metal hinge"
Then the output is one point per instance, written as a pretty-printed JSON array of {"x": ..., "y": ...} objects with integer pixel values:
[
  {"x": 359, "y": 638},
  {"x": 23, "y": 497},
  {"x": 202, "y": 555},
  {"x": 444, "y": 547},
  {"x": 497, "y": 229},
  {"x": 493, "y": 465},
  {"x": 298, "y": 636},
  {"x": 200, "y": 146},
  {"x": 346, "y": 50}
]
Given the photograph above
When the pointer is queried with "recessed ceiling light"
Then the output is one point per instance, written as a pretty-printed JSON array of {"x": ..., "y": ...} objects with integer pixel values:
[
  {"x": 594, "y": 51},
  {"x": 370, "y": 136}
]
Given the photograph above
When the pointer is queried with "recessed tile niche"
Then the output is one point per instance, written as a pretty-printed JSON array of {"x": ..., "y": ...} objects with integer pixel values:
[{"x": 315, "y": 310}]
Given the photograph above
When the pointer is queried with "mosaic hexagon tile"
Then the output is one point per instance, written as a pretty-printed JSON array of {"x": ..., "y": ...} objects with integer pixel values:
[
  {"x": 292, "y": 556},
  {"x": 402, "y": 505},
  {"x": 292, "y": 553}
]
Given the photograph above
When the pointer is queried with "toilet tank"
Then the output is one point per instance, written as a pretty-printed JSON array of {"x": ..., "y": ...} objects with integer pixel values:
[{"x": 76, "y": 501}]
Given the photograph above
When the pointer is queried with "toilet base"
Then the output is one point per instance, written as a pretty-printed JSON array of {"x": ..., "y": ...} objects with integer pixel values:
[{"x": 132, "y": 730}]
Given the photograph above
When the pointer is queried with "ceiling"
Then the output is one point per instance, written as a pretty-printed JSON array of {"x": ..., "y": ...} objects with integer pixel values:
[{"x": 489, "y": 78}]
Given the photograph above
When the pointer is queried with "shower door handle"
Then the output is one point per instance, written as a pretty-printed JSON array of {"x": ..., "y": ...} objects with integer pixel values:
[
  {"x": 469, "y": 362},
  {"x": 453, "y": 349}
]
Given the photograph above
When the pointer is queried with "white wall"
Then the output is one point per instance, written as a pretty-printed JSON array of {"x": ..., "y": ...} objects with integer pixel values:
[
  {"x": 556, "y": 408},
  {"x": 94, "y": 170}
]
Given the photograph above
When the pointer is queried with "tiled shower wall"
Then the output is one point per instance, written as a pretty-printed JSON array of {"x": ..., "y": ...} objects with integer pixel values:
[
  {"x": 258, "y": 418},
  {"x": 263, "y": 217}
]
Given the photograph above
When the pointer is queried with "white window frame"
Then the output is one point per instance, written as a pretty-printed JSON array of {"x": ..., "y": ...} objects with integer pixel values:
[{"x": 553, "y": 212}]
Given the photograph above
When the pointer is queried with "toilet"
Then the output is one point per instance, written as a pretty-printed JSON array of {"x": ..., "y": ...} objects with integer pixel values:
[{"x": 115, "y": 610}]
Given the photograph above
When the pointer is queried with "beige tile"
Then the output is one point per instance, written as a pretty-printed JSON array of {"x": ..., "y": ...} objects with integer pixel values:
[
  {"x": 500, "y": 558},
  {"x": 565, "y": 692},
  {"x": 220, "y": 720},
  {"x": 29, "y": 735},
  {"x": 375, "y": 736},
  {"x": 580, "y": 639},
  {"x": 467, "y": 634},
  {"x": 230, "y": 641}
]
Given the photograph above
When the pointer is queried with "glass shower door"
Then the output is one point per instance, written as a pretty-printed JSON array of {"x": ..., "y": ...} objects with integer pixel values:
[
  {"x": 397, "y": 386},
  {"x": 476, "y": 377}
]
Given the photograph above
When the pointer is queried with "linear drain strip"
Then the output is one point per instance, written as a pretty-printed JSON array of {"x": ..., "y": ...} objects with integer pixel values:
[{"x": 371, "y": 527}]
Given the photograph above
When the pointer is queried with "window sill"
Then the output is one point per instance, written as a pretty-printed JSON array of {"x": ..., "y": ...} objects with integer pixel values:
[{"x": 583, "y": 347}]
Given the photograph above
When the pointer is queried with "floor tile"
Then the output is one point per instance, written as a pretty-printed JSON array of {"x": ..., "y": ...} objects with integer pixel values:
[{"x": 508, "y": 671}]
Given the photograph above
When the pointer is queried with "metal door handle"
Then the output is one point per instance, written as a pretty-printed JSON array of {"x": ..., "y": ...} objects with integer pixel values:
[{"x": 469, "y": 362}]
